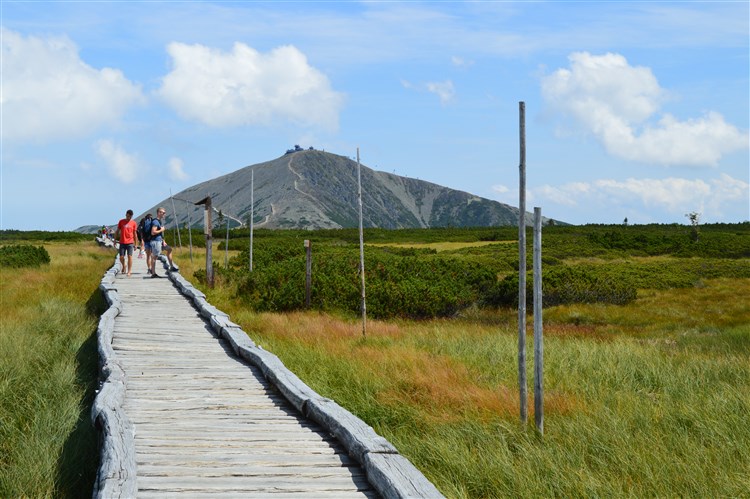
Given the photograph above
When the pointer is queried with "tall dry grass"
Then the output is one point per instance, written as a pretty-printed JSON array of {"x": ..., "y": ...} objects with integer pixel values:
[
  {"x": 48, "y": 370},
  {"x": 648, "y": 399}
]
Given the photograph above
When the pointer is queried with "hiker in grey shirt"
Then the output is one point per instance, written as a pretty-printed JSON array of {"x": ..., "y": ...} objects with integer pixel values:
[{"x": 157, "y": 229}]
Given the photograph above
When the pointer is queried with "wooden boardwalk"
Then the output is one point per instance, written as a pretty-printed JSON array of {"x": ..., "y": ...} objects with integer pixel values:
[{"x": 207, "y": 423}]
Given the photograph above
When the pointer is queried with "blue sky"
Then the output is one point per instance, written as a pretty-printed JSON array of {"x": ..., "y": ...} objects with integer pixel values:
[{"x": 636, "y": 110}]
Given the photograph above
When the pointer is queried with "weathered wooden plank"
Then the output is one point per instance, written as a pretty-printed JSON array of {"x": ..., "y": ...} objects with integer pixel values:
[
  {"x": 333, "y": 494},
  {"x": 186, "y": 484},
  {"x": 395, "y": 477},
  {"x": 248, "y": 470},
  {"x": 265, "y": 458}
]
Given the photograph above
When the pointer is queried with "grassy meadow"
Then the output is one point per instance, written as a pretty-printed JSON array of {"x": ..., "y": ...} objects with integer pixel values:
[
  {"x": 648, "y": 398},
  {"x": 48, "y": 371},
  {"x": 644, "y": 399}
]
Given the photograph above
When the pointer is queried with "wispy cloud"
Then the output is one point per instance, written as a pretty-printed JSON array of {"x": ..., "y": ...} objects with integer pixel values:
[
  {"x": 176, "y": 169},
  {"x": 675, "y": 195},
  {"x": 49, "y": 93},
  {"x": 444, "y": 89},
  {"x": 246, "y": 87},
  {"x": 617, "y": 102},
  {"x": 122, "y": 165}
]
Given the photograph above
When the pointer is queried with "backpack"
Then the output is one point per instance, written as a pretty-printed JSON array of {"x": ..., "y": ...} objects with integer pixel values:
[{"x": 145, "y": 229}]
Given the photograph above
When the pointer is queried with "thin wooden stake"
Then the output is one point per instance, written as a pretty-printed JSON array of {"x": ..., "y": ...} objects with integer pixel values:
[
  {"x": 361, "y": 250},
  {"x": 523, "y": 395},
  {"x": 538, "y": 325},
  {"x": 190, "y": 230},
  {"x": 252, "y": 214},
  {"x": 176, "y": 223},
  {"x": 308, "y": 272},
  {"x": 226, "y": 242}
]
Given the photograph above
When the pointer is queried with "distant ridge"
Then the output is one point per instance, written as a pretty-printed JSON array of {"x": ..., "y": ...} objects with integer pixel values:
[{"x": 310, "y": 189}]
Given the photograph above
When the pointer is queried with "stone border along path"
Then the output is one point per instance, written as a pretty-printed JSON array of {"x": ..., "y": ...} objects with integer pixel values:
[{"x": 164, "y": 380}]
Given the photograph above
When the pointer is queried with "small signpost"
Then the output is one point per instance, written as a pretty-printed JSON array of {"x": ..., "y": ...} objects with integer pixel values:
[{"x": 206, "y": 202}]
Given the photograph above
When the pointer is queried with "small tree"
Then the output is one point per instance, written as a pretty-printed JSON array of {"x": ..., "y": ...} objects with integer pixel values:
[
  {"x": 695, "y": 220},
  {"x": 219, "y": 220}
]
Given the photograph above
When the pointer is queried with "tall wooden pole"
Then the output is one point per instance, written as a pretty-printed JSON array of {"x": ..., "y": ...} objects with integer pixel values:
[
  {"x": 538, "y": 325},
  {"x": 361, "y": 250},
  {"x": 177, "y": 224},
  {"x": 252, "y": 214},
  {"x": 209, "y": 240},
  {"x": 522, "y": 266},
  {"x": 190, "y": 230},
  {"x": 226, "y": 242}
]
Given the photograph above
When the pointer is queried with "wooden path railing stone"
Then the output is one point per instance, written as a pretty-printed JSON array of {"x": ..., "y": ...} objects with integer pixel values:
[{"x": 390, "y": 474}]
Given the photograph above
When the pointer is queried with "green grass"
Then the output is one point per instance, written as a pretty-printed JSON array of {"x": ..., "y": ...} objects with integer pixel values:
[
  {"x": 648, "y": 399},
  {"x": 48, "y": 372},
  {"x": 642, "y": 400}
]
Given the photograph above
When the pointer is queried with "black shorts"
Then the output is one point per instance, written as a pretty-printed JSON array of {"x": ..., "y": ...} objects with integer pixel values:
[{"x": 126, "y": 248}]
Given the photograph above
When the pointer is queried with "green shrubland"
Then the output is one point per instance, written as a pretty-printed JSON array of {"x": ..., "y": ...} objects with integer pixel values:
[
  {"x": 23, "y": 255},
  {"x": 589, "y": 264}
]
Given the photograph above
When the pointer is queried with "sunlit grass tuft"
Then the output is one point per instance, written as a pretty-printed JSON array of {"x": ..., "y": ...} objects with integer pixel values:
[{"x": 48, "y": 372}]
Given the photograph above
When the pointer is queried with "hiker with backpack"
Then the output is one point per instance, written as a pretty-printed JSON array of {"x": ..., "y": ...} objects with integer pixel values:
[
  {"x": 144, "y": 233},
  {"x": 157, "y": 242}
]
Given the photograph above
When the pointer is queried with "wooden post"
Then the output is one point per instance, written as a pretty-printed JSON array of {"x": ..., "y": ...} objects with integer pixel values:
[
  {"x": 522, "y": 266},
  {"x": 538, "y": 325},
  {"x": 190, "y": 231},
  {"x": 209, "y": 242},
  {"x": 177, "y": 224},
  {"x": 226, "y": 242},
  {"x": 361, "y": 250},
  {"x": 308, "y": 272},
  {"x": 252, "y": 214}
]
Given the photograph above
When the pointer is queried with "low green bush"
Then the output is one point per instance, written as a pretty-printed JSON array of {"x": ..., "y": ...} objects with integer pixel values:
[
  {"x": 581, "y": 264},
  {"x": 23, "y": 255}
]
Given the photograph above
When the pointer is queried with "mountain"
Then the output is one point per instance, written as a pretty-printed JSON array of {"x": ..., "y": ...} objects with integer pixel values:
[{"x": 310, "y": 189}]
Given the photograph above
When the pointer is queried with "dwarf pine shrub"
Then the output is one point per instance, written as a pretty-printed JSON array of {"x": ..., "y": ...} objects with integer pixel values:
[{"x": 23, "y": 255}]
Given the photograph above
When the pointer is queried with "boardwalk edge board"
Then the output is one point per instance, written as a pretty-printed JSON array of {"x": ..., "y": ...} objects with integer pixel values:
[
  {"x": 116, "y": 476},
  {"x": 388, "y": 472}
]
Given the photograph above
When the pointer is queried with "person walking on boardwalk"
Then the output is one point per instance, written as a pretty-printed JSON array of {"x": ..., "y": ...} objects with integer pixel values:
[
  {"x": 157, "y": 239},
  {"x": 144, "y": 233},
  {"x": 128, "y": 237}
]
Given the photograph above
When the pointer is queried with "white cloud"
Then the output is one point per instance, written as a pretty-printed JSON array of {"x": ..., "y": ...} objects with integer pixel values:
[
  {"x": 675, "y": 195},
  {"x": 245, "y": 87},
  {"x": 460, "y": 62},
  {"x": 50, "y": 93},
  {"x": 615, "y": 101},
  {"x": 443, "y": 89},
  {"x": 176, "y": 171},
  {"x": 123, "y": 166}
]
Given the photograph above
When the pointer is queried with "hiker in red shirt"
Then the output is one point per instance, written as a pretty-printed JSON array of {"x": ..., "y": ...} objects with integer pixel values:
[{"x": 127, "y": 233}]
